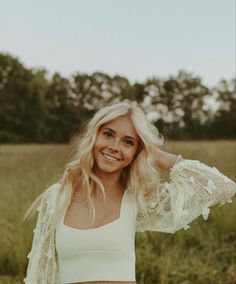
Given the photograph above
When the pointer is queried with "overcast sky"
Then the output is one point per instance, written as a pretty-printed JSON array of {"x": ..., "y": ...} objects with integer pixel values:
[{"x": 138, "y": 39}]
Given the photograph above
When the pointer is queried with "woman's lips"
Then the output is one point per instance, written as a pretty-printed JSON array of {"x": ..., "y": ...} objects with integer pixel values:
[{"x": 110, "y": 158}]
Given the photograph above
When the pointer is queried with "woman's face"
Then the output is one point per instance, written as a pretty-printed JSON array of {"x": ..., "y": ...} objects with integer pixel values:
[{"x": 116, "y": 145}]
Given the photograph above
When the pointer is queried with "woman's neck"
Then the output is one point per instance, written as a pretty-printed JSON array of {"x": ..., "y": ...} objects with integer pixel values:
[{"x": 111, "y": 183}]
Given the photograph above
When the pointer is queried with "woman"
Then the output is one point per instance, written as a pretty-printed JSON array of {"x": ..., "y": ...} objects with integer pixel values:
[{"x": 87, "y": 221}]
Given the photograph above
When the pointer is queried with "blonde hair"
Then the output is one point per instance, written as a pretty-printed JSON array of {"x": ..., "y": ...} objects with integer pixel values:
[{"x": 142, "y": 177}]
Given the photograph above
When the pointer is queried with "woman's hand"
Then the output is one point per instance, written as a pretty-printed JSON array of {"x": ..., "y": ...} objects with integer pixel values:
[{"x": 164, "y": 159}]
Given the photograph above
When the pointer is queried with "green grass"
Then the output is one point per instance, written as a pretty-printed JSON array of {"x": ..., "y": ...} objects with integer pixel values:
[{"x": 205, "y": 253}]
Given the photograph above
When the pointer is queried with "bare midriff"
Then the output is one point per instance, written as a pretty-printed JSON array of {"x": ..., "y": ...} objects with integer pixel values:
[{"x": 107, "y": 282}]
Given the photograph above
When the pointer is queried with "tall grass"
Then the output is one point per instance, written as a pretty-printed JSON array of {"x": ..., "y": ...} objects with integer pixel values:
[{"x": 205, "y": 253}]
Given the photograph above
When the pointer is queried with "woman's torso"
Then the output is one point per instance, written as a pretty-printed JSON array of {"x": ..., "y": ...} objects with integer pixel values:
[{"x": 106, "y": 213}]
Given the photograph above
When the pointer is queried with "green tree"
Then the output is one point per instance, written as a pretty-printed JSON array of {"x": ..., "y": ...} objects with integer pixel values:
[
  {"x": 178, "y": 102},
  {"x": 22, "y": 103},
  {"x": 64, "y": 112},
  {"x": 224, "y": 123}
]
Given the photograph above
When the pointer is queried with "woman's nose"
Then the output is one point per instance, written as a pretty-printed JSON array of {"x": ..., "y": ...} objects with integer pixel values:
[{"x": 114, "y": 145}]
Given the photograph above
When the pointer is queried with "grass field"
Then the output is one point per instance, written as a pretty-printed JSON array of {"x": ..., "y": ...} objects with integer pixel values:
[{"x": 205, "y": 253}]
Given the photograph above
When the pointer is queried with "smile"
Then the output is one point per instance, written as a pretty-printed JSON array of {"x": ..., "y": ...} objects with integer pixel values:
[{"x": 110, "y": 158}]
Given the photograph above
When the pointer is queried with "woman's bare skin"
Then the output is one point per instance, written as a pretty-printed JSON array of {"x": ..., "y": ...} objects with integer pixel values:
[
  {"x": 77, "y": 215},
  {"x": 107, "y": 282}
]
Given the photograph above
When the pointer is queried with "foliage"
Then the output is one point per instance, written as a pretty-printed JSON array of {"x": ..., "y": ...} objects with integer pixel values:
[{"x": 36, "y": 108}]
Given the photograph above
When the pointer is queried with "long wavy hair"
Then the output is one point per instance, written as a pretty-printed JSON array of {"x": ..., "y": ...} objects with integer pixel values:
[{"x": 141, "y": 176}]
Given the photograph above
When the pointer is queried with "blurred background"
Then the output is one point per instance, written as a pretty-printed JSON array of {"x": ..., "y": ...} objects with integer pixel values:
[{"x": 61, "y": 61}]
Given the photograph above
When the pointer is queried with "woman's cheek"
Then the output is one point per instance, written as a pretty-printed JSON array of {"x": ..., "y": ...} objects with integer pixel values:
[
  {"x": 129, "y": 154},
  {"x": 100, "y": 142}
]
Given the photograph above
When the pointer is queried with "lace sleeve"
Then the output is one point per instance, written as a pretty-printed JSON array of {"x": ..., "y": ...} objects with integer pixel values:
[
  {"x": 42, "y": 261},
  {"x": 193, "y": 188}
]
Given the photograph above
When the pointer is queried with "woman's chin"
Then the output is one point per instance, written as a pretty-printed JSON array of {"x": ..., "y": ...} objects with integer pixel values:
[{"x": 102, "y": 167}]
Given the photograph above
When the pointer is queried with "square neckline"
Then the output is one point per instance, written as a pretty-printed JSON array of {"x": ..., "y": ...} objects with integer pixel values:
[{"x": 100, "y": 227}]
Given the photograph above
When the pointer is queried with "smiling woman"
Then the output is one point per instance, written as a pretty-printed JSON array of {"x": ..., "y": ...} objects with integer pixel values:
[
  {"x": 85, "y": 231},
  {"x": 115, "y": 147}
]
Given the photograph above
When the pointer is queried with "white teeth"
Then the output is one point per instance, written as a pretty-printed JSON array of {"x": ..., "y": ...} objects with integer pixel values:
[{"x": 110, "y": 158}]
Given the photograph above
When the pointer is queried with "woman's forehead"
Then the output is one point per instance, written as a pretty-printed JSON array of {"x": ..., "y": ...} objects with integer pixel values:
[{"x": 122, "y": 124}]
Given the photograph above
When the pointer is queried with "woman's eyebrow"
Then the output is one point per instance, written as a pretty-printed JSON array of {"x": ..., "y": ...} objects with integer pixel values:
[{"x": 127, "y": 136}]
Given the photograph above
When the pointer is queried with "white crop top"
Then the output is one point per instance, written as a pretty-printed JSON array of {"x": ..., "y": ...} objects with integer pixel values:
[{"x": 105, "y": 253}]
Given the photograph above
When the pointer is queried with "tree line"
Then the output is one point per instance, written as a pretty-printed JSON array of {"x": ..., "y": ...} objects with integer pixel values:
[{"x": 36, "y": 108}]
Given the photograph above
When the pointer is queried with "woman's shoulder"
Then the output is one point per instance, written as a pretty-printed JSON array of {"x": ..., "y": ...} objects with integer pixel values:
[
  {"x": 51, "y": 190},
  {"x": 49, "y": 196}
]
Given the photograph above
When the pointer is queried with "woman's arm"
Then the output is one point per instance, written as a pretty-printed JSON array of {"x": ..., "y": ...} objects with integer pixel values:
[
  {"x": 166, "y": 160},
  {"x": 42, "y": 259},
  {"x": 193, "y": 188}
]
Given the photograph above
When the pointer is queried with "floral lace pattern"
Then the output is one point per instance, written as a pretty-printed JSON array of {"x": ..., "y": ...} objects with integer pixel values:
[
  {"x": 193, "y": 189},
  {"x": 43, "y": 265}
]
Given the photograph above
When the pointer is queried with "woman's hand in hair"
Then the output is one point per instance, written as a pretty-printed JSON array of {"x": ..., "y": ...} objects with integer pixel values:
[{"x": 164, "y": 159}]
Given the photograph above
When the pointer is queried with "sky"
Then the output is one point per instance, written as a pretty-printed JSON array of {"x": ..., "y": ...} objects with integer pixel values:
[{"x": 138, "y": 39}]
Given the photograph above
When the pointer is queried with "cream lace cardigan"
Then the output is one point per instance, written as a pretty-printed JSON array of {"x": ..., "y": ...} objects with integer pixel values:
[{"x": 192, "y": 189}]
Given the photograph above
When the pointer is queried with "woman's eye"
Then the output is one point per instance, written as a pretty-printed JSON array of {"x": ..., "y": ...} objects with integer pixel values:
[
  {"x": 130, "y": 142},
  {"x": 108, "y": 134}
]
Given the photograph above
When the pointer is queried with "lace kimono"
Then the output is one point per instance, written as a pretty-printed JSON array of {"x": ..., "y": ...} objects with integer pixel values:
[{"x": 193, "y": 188}]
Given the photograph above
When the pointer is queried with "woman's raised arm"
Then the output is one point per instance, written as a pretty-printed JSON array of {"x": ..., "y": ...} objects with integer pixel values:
[{"x": 193, "y": 188}]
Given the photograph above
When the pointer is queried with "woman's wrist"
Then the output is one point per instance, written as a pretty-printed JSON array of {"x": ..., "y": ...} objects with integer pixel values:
[
  {"x": 179, "y": 159},
  {"x": 167, "y": 160}
]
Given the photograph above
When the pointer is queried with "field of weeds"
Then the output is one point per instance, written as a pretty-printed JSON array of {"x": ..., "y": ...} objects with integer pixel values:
[{"x": 205, "y": 253}]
